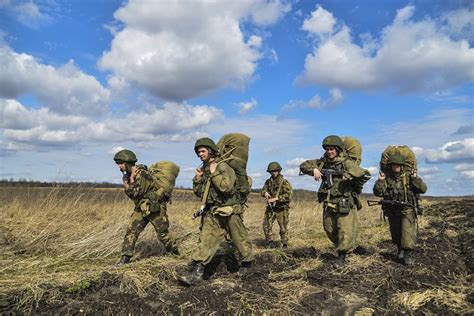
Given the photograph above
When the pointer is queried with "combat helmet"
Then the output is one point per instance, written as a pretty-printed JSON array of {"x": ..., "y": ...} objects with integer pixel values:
[
  {"x": 208, "y": 143},
  {"x": 125, "y": 155},
  {"x": 397, "y": 159},
  {"x": 333, "y": 140},
  {"x": 273, "y": 166}
]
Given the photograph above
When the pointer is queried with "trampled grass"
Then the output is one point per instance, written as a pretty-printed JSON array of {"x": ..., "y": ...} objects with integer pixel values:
[{"x": 60, "y": 241}]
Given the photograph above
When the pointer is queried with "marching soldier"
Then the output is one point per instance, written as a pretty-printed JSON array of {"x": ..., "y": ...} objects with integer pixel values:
[
  {"x": 277, "y": 192},
  {"x": 400, "y": 186},
  {"x": 222, "y": 213},
  {"x": 139, "y": 186},
  {"x": 342, "y": 182}
]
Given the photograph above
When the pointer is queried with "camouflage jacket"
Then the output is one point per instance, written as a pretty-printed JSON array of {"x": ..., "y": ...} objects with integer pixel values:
[
  {"x": 142, "y": 192},
  {"x": 399, "y": 187},
  {"x": 222, "y": 191},
  {"x": 343, "y": 195},
  {"x": 284, "y": 193}
]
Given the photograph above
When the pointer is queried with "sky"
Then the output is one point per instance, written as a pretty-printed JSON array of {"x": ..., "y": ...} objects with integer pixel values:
[{"x": 80, "y": 80}]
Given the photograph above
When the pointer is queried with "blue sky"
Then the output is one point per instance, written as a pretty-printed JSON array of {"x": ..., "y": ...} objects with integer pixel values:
[{"x": 80, "y": 80}]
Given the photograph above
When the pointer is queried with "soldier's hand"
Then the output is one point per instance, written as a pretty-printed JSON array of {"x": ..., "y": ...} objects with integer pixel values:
[
  {"x": 382, "y": 175},
  {"x": 317, "y": 174},
  {"x": 213, "y": 166},
  {"x": 133, "y": 173},
  {"x": 267, "y": 195},
  {"x": 199, "y": 173},
  {"x": 272, "y": 200},
  {"x": 413, "y": 174}
]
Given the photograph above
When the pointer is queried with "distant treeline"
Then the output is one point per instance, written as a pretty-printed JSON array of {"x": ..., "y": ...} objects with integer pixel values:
[{"x": 32, "y": 183}]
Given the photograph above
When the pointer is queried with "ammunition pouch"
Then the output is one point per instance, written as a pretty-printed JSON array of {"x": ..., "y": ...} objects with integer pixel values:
[
  {"x": 344, "y": 205},
  {"x": 357, "y": 202}
]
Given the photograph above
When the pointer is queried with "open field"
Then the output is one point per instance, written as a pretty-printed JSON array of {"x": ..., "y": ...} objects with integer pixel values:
[{"x": 59, "y": 247}]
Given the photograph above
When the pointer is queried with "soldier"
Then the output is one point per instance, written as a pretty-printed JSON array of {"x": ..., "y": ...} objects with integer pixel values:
[
  {"x": 399, "y": 186},
  {"x": 343, "y": 181},
  {"x": 277, "y": 192},
  {"x": 139, "y": 186},
  {"x": 222, "y": 214}
]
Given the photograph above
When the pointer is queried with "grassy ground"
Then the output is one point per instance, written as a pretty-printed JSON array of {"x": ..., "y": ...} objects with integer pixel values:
[{"x": 59, "y": 246}]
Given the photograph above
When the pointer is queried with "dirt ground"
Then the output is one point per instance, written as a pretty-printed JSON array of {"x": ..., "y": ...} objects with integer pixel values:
[{"x": 298, "y": 281}]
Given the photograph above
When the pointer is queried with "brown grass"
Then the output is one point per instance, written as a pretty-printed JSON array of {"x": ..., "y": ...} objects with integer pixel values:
[{"x": 59, "y": 239}]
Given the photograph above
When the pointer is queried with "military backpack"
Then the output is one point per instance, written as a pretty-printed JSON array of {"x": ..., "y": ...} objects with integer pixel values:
[
  {"x": 234, "y": 150},
  {"x": 164, "y": 176},
  {"x": 405, "y": 151}
]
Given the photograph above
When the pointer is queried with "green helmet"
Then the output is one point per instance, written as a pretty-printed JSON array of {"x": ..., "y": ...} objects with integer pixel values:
[
  {"x": 208, "y": 143},
  {"x": 273, "y": 166},
  {"x": 333, "y": 140},
  {"x": 397, "y": 159},
  {"x": 125, "y": 155}
]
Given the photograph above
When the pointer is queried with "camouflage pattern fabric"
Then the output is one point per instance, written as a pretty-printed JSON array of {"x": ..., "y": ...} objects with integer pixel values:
[
  {"x": 216, "y": 226},
  {"x": 340, "y": 228},
  {"x": 148, "y": 208},
  {"x": 280, "y": 211},
  {"x": 138, "y": 222},
  {"x": 340, "y": 220},
  {"x": 403, "y": 188}
]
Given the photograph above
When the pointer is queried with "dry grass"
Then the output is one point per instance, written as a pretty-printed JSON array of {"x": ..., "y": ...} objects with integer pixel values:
[{"x": 61, "y": 239}]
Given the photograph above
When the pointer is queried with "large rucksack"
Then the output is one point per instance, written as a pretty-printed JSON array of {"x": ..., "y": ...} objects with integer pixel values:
[
  {"x": 405, "y": 151},
  {"x": 234, "y": 150},
  {"x": 164, "y": 175},
  {"x": 353, "y": 149}
]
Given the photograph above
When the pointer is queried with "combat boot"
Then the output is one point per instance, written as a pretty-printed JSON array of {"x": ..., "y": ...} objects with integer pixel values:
[
  {"x": 340, "y": 261},
  {"x": 173, "y": 250},
  {"x": 195, "y": 276},
  {"x": 408, "y": 258},
  {"x": 400, "y": 254},
  {"x": 245, "y": 268},
  {"x": 123, "y": 260}
]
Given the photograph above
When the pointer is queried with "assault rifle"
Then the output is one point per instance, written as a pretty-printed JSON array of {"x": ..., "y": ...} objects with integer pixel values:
[
  {"x": 328, "y": 174},
  {"x": 390, "y": 203},
  {"x": 204, "y": 205}
]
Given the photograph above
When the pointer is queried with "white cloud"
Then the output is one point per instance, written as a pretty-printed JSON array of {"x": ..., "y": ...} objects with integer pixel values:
[
  {"x": 26, "y": 12},
  {"x": 466, "y": 170},
  {"x": 65, "y": 89},
  {"x": 426, "y": 132},
  {"x": 320, "y": 23},
  {"x": 409, "y": 56},
  {"x": 292, "y": 172},
  {"x": 316, "y": 102},
  {"x": 428, "y": 171},
  {"x": 296, "y": 162},
  {"x": 373, "y": 170},
  {"x": 15, "y": 116},
  {"x": 171, "y": 122},
  {"x": 115, "y": 150},
  {"x": 179, "y": 50},
  {"x": 452, "y": 152},
  {"x": 245, "y": 107}
]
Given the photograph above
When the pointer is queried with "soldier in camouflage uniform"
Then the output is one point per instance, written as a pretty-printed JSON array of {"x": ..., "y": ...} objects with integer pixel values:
[
  {"x": 139, "y": 186},
  {"x": 277, "y": 192},
  {"x": 223, "y": 212},
  {"x": 340, "y": 201},
  {"x": 400, "y": 186}
]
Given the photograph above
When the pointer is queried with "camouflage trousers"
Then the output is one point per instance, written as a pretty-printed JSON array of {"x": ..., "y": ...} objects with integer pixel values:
[
  {"x": 214, "y": 230},
  {"x": 341, "y": 228},
  {"x": 160, "y": 222},
  {"x": 403, "y": 228},
  {"x": 281, "y": 216}
]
